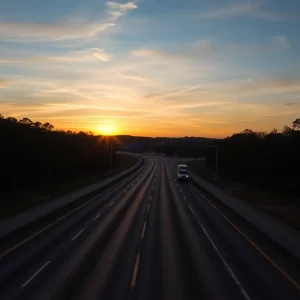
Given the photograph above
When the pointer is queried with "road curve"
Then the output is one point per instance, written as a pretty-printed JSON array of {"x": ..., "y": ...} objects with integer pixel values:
[{"x": 149, "y": 237}]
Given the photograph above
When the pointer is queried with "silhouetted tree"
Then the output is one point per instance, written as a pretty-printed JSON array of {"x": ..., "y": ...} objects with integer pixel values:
[
  {"x": 296, "y": 124},
  {"x": 82, "y": 133},
  {"x": 268, "y": 160},
  {"x": 47, "y": 126},
  {"x": 26, "y": 121},
  {"x": 249, "y": 132},
  {"x": 37, "y": 125},
  {"x": 11, "y": 119},
  {"x": 1, "y": 117},
  {"x": 287, "y": 130},
  {"x": 274, "y": 131},
  {"x": 52, "y": 154}
]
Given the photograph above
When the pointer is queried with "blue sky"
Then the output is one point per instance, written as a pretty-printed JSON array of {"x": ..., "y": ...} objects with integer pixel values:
[{"x": 158, "y": 68}]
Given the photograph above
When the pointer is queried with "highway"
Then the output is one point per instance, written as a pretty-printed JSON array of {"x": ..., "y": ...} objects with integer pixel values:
[{"x": 147, "y": 237}]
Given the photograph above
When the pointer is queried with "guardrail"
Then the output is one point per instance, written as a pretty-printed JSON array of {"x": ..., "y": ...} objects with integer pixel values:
[
  {"x": 18, "y": 221},
  {"x": 283, "y": 235}
]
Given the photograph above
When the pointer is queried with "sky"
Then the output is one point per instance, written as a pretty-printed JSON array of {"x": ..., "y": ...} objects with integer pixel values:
[{"x": 151, "y": 67}]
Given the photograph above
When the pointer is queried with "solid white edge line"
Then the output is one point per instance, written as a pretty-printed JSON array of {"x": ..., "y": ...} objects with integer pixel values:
[
  {"x": 97, "y": 217},
  {"x": 76, "y": 236},
  {"x": 225, "y": 263},
  {"x": 35, "y": 274},
  {"x": 98, "y": 196},
  {"x": 202, "y": 195},
  {"x": 241, "y": 288},
  {"x": 192, "y": 210}
]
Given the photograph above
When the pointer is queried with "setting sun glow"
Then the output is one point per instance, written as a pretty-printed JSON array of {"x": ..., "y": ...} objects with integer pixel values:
[
  {"x": 123, "y": 68},
  {"x": 108, "y": 129}
]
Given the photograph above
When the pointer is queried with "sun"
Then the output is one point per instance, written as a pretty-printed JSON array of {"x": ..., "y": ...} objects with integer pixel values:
[{"x": 108, "y": 129}]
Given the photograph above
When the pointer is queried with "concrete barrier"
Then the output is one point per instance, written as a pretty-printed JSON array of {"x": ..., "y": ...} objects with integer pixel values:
[
  {"x": 283, "y": 235},
  {"x": 11, "y": 224}
]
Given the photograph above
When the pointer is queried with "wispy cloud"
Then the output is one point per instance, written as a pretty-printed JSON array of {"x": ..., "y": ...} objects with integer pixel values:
[
  {"x": 6, "y": 61},
  {"x": 199, "y": 49},
  {"x": 235, "y": 9},
  {"x": 209, "y": 48},
  {"x": 236, "y": 90},
  {"x": 194, "y": 105},
  {"x": 51, "y": 31},
  {"x": 275, "y": 16},
  {"x": 133, "y": 77},
  {"x": 269, "y": 86},
  {"x": 81, "y": 106},
  {"x": 88, "y": 54},
  {"x": 251, "y": 8},
  {"x": 280, "y": 41},
  {"x": 122, "y": 8},
  {"x": 271, "y": 44},
  {"x": 68, "y": 29},
  {"x": 291, "y": 103},
  {"x": 81, "y": 56},
  {"x": 152, "y": 53},
  {"x": 117, "y": 10},
  {"x": 171, "y": 93},
  {"x": 63, "y": 111}
]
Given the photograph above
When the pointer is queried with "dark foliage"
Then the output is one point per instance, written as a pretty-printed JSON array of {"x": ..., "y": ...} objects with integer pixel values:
[
  {"x": 185, "y": 146},
  {"x": 268, "y": 160},
  {"x": 33, "y": 154}
]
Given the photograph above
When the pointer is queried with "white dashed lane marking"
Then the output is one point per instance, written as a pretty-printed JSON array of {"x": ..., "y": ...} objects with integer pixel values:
[
  {"x": 77, "y": 235},
  {"x": 35, "y": 274},
  {"x": 241, "y": 288},
  {"x": 97, "y": 217}
]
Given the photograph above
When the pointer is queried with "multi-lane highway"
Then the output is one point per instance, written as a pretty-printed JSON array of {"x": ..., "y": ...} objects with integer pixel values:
[{"x": 147, "y": 237}]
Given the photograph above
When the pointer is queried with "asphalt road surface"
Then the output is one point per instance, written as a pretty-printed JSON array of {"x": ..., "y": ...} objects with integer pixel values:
[{"x": 148, "y": 237}]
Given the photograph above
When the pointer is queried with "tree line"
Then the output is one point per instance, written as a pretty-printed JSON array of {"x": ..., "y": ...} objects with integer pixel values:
[
  {"x": 35, "y": 154},
  {"x": 270, "y": 160}
]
